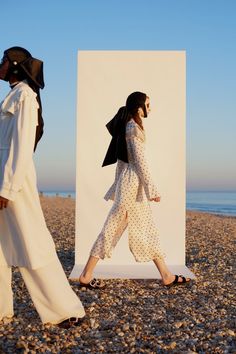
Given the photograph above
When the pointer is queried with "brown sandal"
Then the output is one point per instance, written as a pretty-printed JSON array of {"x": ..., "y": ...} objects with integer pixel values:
[
  {"x": 71, "y": 322},
  {"x": 176, "y": 282},
  {"x": 94, "y": 284}
]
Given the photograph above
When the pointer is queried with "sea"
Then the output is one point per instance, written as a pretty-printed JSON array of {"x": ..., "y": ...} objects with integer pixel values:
[{"x": 220, "y": 203}]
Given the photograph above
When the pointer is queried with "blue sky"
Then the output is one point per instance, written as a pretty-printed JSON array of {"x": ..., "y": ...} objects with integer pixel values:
[{"x": 55, "y": 30}]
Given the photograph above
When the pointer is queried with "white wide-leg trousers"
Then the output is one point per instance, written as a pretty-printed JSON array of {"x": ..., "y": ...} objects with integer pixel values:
[{"x": 50, "y": 291}]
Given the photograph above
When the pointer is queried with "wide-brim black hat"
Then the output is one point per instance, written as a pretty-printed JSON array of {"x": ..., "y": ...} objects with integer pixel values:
[{"x": 21, "y": 58}]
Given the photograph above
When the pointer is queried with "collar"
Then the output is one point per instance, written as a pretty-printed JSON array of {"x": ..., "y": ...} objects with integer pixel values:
[{"x": 14, "y": 84}]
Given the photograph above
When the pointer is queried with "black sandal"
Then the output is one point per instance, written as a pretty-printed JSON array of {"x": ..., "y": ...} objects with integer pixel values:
[
  {"x": 70, "y": 322},
  {"x": 176, "y": 282},
  {"x": 94, "y": 284}
]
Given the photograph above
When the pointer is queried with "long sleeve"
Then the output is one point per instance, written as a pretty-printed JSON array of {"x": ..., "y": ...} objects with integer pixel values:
[
  {"x": 21, "y": 146},
  {"x": 135, "y": 142}
]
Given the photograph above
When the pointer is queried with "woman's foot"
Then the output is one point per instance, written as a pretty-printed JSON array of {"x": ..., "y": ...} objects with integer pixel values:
[
  {"x": 91, "y": 283},
  {"x": 71, "y": 322},
  {"x": 85, "y": 279},
  {"x": 172, "y": 280}
]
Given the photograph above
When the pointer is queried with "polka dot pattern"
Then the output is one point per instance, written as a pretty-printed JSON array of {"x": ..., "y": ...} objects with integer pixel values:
[{"x": 131, "y": 191}]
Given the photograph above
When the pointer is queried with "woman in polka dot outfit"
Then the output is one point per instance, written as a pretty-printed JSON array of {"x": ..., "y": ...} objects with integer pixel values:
[{"x": 132, "y": 191}]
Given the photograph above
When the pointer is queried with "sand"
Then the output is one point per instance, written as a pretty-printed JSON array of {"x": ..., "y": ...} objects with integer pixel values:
[{"x": 138, "y": 316}]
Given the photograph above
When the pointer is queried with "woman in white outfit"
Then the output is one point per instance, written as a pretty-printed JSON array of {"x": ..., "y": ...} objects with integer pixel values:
[
  {"x": 131, "y": 192},
  {"x": 25, "y": 241}
]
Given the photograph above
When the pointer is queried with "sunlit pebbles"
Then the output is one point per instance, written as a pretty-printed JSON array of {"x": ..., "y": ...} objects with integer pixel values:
[{"x": 138, "y": 316}]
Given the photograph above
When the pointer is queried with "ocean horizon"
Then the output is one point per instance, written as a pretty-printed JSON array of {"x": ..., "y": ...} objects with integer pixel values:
[{"x": 220, "y": 203}]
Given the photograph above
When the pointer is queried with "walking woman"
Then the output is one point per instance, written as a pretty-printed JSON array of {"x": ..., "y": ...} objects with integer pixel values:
[
  {"x": 24, "y": 238},
  {"x": 131, "y": 192}
]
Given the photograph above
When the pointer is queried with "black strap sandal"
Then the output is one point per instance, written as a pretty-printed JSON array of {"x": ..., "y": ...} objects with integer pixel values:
[
  {"x": 71, "y": 322},
  {"x": 176, "y": 282},
  {"x": 94, "y": 284}
]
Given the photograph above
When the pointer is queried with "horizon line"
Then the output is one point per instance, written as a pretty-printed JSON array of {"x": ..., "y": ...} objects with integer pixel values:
[{"x": 187, "y": 191}]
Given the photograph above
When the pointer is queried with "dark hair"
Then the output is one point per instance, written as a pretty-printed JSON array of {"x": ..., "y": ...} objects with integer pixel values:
[{"x": 134, "y": 101}]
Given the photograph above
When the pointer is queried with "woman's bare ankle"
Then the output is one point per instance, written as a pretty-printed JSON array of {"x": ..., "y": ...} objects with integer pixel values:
[
  {"x": 85, "y": 278},
  {"x": 167, "y": 278}
]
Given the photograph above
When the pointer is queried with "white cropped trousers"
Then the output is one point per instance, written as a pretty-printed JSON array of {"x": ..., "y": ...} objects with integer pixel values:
[{"x": 50, "y": 291}]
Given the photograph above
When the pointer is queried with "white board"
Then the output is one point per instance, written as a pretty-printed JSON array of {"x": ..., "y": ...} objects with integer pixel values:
[{"x": 105, "y": 79}]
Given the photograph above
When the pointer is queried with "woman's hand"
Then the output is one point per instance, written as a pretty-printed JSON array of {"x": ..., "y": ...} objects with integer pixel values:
[
  {"x": 3, "y": 202},
  {"x": 157, "y": 199}
]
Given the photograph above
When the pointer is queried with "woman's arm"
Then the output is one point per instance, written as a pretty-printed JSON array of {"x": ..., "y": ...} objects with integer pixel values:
[
  {"x": 22, "y": 146},
  {"x": 136, "y": 146}
]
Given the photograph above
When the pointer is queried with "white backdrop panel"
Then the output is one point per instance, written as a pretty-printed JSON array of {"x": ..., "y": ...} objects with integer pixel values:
[{"x": 105, "y": 79}]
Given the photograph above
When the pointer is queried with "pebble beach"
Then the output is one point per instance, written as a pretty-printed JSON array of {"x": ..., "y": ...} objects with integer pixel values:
[{"x": 138, "y": 316}]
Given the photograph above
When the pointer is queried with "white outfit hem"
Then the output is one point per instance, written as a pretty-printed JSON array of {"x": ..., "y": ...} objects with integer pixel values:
[{"x": 49, "y": 289}]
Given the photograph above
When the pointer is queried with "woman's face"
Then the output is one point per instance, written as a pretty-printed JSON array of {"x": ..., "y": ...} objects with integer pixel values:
[
  {"x": 141, "y": 113},
  {"x": 147, "y": 105},
  {"x": 4, "y": 65}
]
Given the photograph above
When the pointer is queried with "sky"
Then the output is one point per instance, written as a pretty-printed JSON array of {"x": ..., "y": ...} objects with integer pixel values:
[{"x": 54, "y": 31}]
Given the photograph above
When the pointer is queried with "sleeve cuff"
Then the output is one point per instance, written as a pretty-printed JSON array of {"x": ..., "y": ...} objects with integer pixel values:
[
  {"x": 8, "y": 194},
  {"x": 110, "y": 195},
  {"x": 151, "y": 192}
]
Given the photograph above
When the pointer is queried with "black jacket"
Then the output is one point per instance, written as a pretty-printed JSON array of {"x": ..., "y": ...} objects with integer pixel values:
[{"x": 117, "y": 148}]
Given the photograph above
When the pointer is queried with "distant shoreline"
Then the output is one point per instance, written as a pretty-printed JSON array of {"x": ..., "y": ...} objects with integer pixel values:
[
  {"x": 211, "y": 209},
  {"x": 58, "y": 194}
]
